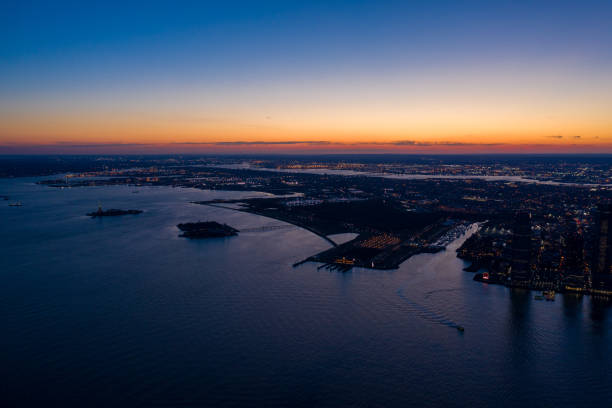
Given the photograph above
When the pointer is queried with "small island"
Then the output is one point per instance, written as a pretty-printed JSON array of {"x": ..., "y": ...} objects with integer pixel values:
[
  {"x": 113, "y": 212},
  {"x": 207, "y": 229}
]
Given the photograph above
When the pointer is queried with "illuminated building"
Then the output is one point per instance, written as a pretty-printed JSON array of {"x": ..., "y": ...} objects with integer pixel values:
[
  {"x": 601, "y": 270},
  {"x": 573, "y": 259},
  {"x": 521, "y": 249}
]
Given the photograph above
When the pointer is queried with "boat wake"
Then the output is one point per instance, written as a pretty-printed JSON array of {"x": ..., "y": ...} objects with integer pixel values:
[
  {"x": 427, "y": 314},
  {"x": 432, "y": 292}
]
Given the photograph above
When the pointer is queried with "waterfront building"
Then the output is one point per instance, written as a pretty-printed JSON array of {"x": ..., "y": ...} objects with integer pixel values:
[
  {"x": 573, "y": 259},
  {"x": 521, "y": 250},
  {"x": 601, "y": 268}
]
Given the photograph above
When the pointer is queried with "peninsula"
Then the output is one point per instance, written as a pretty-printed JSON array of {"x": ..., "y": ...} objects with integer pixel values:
[{"x": 387, "y": 234}]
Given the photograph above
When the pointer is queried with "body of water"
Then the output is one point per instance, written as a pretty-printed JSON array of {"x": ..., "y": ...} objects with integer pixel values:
[{"x": 121, "y": 311}]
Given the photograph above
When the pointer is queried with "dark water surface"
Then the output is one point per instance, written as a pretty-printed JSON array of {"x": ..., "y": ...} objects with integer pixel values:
[{"x": 121, "y": 311}]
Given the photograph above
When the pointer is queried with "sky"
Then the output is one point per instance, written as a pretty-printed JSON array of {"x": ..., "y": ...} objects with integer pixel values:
[{"x": 317, "y": 76}]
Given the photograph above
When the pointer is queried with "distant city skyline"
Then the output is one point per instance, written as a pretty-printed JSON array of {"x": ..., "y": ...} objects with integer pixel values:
[{"x": 306, "y": 77}]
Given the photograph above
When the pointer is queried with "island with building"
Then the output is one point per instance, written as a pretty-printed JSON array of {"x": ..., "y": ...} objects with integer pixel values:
[
  {"x": 113, "y": 212},
  {"x": 206, "y": 229}
]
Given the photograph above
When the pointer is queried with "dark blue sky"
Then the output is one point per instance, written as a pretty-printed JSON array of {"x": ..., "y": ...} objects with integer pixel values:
[{"x": 159, "y": 38}]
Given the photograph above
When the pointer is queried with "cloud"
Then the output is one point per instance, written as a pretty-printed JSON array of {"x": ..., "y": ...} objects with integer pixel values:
[
  {"x": 415, "y": 143},
  {"x": 438, "y": 143},
  {"x": 406, "y": 143},
  {"x": 236, "y": 143},
  {"x": 79, "y": 145},
  {"x": 402, "y": 145},
  {"x": 561, "y": 137},
  {"x": 290, "y": 142}
]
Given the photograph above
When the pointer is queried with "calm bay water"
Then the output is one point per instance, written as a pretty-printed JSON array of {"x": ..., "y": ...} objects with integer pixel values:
[{"x": 121, "y": 311}]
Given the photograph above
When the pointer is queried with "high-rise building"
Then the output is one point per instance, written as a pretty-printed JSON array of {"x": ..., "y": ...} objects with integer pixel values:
[
  {"x": 601, "y": 267},
  {"x": 572, "y": 252},
  {"x": 521, "y": 249}
]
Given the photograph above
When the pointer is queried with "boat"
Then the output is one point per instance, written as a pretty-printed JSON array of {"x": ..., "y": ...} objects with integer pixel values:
[
  {"x": 460, "y": 328},
  {"x": 17, "y": 204},
  {"x": 538, "y": 297},
  {"x": 549, "y": 295}
]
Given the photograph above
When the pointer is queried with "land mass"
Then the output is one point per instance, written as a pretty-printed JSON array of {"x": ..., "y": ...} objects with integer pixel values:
[
  {"x": 113, "y": 212},
  {"x": 387, "y": 233},
  {"x": 374, "y": 197},
  {"x": 207, "y": 229}
]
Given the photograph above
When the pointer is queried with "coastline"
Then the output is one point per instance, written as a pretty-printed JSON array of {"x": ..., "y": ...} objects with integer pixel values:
[{"x": 314, "y": 231}]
